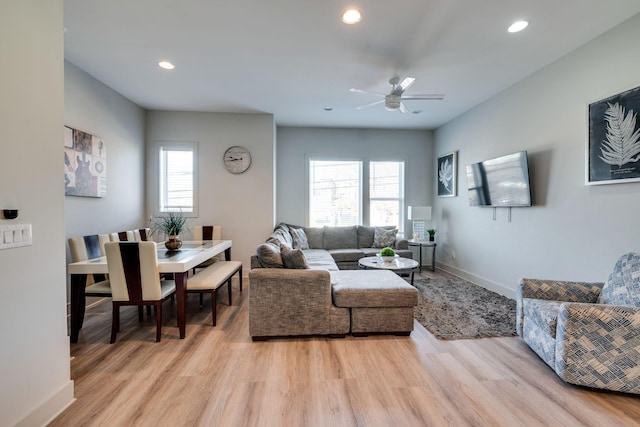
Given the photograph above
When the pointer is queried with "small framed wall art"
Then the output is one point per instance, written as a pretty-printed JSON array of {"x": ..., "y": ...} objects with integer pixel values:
[
  {"x": 447, "y": 174},
  {"x": 613, "y": 150},
  {"x": 85, "y": 164}
]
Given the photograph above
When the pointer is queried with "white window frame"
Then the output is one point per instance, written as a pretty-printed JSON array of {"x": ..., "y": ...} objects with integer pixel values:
[
  {"x": 160, "y": 179},
  {"x": 365, "y": 198},
  {"x": 329, "y": 159},
  {"x": 399, "y": 199}
]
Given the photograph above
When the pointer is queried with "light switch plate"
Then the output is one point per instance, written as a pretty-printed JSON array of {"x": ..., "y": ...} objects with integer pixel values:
[{"x": 15, "y": 235}]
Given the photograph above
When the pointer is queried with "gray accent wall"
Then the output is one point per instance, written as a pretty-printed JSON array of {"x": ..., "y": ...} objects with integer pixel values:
[
  {"x": 243, "y": 204},
  {"x": 93, "y": 107},
  {"x": 296, "y": 144},
  {"x": 573, "y": 231},
  {"x": 35, "y": 382}
]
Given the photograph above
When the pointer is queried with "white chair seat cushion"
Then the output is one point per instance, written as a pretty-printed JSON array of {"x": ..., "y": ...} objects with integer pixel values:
[
  {"x": 213, "y": 276},
  {"x": 103, "y": 287},
  {"x": 167, "y": 287}
]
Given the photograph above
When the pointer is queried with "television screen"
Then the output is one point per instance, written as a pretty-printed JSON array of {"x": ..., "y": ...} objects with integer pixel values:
[{"x": 500, "y": 182}]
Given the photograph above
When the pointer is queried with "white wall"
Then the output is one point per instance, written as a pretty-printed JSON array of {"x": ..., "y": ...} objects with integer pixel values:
[
  {"x": 242, "y": 204},
  {"x": 296, "y": 144},
  {"x": 35, "y": 382},
  {"x": 92, "y": 107},
  {"x": 574, "y": 231}
]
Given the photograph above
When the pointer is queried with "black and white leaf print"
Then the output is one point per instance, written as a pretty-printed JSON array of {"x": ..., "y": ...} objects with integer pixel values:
[{"x": 622, "y": 140}]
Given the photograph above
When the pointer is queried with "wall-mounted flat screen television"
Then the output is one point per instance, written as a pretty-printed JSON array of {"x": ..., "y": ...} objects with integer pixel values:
[{"x": 500, "y": 182}]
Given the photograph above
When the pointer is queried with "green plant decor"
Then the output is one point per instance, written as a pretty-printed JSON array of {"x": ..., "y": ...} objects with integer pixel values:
[
  {"x": 171, "y": 225},
  {"x": 431, "y": 232},
  {"x": 387, "y": 252}
]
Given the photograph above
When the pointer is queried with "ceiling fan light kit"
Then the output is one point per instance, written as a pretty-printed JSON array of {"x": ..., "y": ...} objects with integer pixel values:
[{"x": 393, "y": 100}]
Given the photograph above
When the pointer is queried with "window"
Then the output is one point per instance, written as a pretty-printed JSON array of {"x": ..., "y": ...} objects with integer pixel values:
[
  {"x": 386, "y": 193},
  {"x": 177, "y": 183},
  {"x": 335, "y": 193},
  {"x": 336, "y": 196}
]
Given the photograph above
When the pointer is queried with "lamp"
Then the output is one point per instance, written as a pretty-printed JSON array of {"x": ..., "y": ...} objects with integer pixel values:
[{"x": 419, "y": 214}]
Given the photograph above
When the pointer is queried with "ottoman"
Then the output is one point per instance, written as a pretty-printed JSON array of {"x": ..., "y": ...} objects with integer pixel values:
[{"x": 379, "y": 300}]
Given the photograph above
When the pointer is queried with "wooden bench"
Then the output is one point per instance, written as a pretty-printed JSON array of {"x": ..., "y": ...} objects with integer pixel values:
[{"x": 211, "y": 278}]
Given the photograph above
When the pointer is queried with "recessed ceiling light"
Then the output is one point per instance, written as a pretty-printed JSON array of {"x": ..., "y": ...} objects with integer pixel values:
[
  {"x": 517, "y": 26},
  {"x": 351, "y": 16},
  {"x": 328, "y": 108},
  {"x": 166, "y": 65}
]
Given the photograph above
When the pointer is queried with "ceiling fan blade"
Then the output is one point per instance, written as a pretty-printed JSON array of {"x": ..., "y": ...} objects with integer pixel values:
[
  {"x": 403, "y": 108},
  {"x": 408, "y": 81},
  {"x": 425, "y": 97},
  {"x": 370, "y": 105},
  {"x": 366, "y": 91}
]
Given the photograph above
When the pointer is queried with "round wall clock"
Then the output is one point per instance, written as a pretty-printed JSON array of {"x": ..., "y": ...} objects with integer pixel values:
[{"x": 237, "y": 159}]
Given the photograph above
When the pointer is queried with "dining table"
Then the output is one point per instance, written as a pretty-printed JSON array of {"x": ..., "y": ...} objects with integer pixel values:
[{"x": 179, "y": 262}]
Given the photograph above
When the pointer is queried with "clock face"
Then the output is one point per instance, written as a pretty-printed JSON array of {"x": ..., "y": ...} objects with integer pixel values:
[{"x": 237, "y": 159}]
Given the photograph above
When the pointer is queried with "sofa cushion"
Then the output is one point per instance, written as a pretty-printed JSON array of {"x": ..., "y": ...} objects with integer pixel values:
[
  {"x": 365, "y": 236},
  {"x": 371, "y": 288},
  {"x": 315, "y": 236},
  {"x": 346, "y": 255},
  {"x": 544, "y": 313},
  {"x": 269, "y": 255},
  {"x": 340, "y": 237},
  {"x": 281, "y": 236},
  {"x": 623, "y": 285},
  {"x": 383, "y": 237},
  {"x": 293, "y": 258},
  {"x": 319, "y": 259},
  {"x": 299, "y": 238}
]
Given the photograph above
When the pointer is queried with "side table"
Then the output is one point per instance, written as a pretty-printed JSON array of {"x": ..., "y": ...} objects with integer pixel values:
[{"x": 425, "y": 244}]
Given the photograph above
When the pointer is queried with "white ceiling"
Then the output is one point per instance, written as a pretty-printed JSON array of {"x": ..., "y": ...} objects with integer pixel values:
[{"x": 292, "y": 58}]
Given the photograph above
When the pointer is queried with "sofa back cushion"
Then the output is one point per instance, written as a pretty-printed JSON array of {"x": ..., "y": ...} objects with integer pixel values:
[
  {"x": 366, "y": 235},
  {"x": 623, "y": 285},
  {"x": 282, "y": 236},
  {"x": 315, "y": 236},
  {"x": 340, "y": 237}
]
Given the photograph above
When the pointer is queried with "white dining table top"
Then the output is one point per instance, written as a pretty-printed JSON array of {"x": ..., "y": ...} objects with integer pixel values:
[{"x": 191, "y": 254}]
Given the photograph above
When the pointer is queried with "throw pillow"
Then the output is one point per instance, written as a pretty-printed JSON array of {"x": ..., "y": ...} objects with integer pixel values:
[
  {"x": 293, "y": 258},
  {"x": 299, "y": 238},
  {"x": 383, "y": 237},
  {"x": 269, "y": 255}
]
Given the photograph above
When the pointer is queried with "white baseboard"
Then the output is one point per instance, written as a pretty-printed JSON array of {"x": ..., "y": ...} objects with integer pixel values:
[
  {"x": 51, "y": 408},
  {"x": 480, "y": 281}
]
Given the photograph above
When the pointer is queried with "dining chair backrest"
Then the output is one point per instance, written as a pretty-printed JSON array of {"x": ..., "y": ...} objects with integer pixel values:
[
  {"x": 87, "y": 247},
  {"x": 123, "y": 236},
  {"x": 142, "y": 234},
  {"x": 133, "y": 271},
  {"x": 207, "y": 232}
]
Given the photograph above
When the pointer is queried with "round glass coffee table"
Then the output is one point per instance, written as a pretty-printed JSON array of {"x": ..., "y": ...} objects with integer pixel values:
[{"x": 399, "y": 265}]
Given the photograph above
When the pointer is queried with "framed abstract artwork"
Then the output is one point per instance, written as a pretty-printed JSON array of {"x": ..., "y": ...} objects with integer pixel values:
[
  {"x": 613, "y": 150},
  {"x": 85, "y": 164},
  {"x": 447, "y": 174}
]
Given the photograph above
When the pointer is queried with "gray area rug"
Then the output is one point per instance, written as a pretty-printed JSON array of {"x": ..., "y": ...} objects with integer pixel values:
[{"x": 454, "y": 309}]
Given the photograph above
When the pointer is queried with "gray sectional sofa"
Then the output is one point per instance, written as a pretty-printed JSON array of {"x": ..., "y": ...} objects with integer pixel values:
[
  {"x": 344, "y": 245},
  {"x": 295, "y": 291}
]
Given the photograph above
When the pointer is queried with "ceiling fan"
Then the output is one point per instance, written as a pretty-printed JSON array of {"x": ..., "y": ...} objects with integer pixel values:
[{"x": 393, "y": 100}]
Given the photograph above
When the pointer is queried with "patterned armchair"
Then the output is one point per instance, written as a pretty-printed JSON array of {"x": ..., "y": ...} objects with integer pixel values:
[{"x": 588, "y": 333}]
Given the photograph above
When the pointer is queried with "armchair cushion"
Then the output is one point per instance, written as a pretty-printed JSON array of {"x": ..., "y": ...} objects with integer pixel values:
[
  {"x": 558, "y": 290},
  {"x": 543, "y": 313}
]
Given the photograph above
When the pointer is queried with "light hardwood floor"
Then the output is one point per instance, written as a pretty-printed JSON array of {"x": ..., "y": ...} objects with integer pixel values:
[{"x": 218, "y": 377}]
